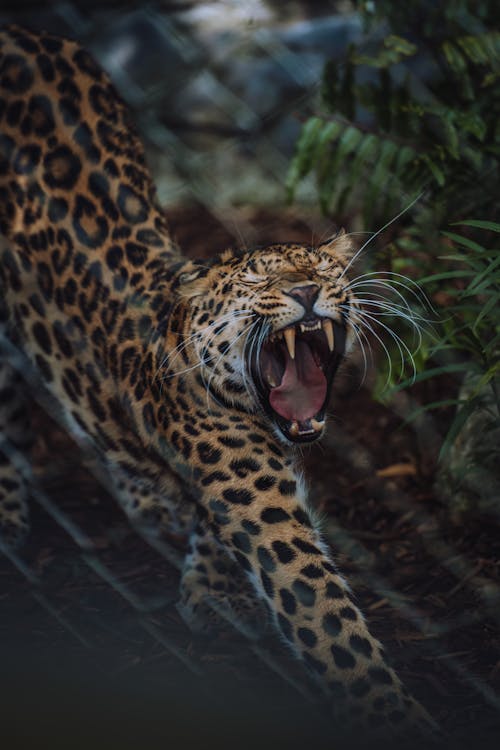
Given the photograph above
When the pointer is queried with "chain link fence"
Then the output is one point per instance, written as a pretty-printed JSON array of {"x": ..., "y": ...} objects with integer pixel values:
[{"x": 219, "y": 93}]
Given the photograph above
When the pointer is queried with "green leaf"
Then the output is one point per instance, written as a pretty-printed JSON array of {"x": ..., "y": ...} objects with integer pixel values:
[
  {"x": 405, "y": 155},
  {"x": 454, "y": 57},
  {"x": 303, "y": 160},
  {"x": 328, "y": 134},
  {"x": 469, "y": 261},
  {"x": 483, "y": 49},
  {"x": 446, "y": 275},
  {"x": 428, "y": 374},
  {"x": 450, "y": 134},
  {"x": 472, "y": 123},
  {"x": 366, "y": 154},
  {"x": 489, "y": 79},
  {"x": 325, "y": 149},
  {"x": 461, "y": 240},
  {"x": 488, "y": 307},
  {"x": 490, "y": 225},
  {"x": 477, "y": 285},
  {"x": 400, "y": 45},
  {"x": 441, "y": 404},
  {"x": 472, "y": 156},
  {"x": 395, "y": 49},
  {"x": 378, "y": 179},
  {"x": 437, "y": 173},
  {"x": 347, "y": 143},
  {"x": 330, "y": 173},
  {"x": 490, "y": 374}
]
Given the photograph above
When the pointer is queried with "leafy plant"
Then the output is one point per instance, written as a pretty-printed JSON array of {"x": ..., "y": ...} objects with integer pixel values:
[
  {"x": 470, "y": 329},
  {"x": 412, "y": 116},
  {"x": 408, "y": 116}
]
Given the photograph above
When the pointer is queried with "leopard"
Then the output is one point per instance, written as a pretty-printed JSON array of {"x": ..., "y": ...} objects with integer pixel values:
[{"x": 197, "y": 381}]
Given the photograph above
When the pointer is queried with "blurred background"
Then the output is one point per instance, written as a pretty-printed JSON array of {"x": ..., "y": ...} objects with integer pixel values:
[{"x": 264, "y": 122}]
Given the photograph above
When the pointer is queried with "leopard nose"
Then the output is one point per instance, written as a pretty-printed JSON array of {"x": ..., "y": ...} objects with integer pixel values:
[{"x": 306, "y": 295}]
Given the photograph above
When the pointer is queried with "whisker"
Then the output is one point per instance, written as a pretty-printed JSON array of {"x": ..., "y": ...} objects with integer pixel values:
[
  {"x": 171, "y": 357},
  {"x": 377, "y": 293},
  {"x": 358, "y": 332},
  {"x": 390, "y": 311},
  {"x": 258, "y": 343},
  {"x": 379, "y": 231},
  {"x": 363, "y": 316},
  {"x": 382, "y": 279},
  {"x": 381, "y": 342},
  {"x": 246, "y": 375},
  {"x": 367, "y": 316},
  {"x": 214, "y": 368},
  {"x": 390, "y": 308}
]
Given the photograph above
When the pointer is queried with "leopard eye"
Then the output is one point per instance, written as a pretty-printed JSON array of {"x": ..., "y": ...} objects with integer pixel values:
[
  {"x": 324, "y": 265},
  {"x": 254, "y": 278},
  {"x": 251, "y": 274},
  {"x": 188, "y": 276}
]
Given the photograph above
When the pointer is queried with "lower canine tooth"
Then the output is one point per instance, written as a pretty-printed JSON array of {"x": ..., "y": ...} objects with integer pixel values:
[
  {"x": 328, "y": 330},
  {"x": 289, "y": 334},
  {"x": 317, "y": 426},
  {"x": 294, "y": 428}
]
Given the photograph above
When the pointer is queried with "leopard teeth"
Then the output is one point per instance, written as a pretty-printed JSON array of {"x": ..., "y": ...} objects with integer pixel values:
[
  {"x": 294, "y": 428},
  {"x": 328, "y": 331},
  {"x": 304, "y": 327},
  {"x": 289, "y": 334},
  {"x": 317, "y": 426}
]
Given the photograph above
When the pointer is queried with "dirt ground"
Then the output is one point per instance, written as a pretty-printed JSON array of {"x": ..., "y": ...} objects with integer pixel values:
[{"x": 99, "y": 657}]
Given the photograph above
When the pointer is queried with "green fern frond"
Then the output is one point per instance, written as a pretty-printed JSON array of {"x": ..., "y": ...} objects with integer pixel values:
[{"x": 482, "y": 50}]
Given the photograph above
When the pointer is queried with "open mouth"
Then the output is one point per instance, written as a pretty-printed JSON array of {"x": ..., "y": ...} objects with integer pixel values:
[{"x": 293, "y": 373}]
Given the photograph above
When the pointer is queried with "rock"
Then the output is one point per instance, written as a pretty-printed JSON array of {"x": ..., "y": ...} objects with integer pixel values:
[{"x": 468, "y": 479}]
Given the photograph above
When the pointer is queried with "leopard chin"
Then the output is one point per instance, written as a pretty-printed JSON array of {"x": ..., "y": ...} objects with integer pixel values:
[{"x": 293, "y": 372}]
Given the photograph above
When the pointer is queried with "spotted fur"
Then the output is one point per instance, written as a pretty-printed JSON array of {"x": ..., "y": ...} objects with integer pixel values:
[{"x": 150, "y": 356}]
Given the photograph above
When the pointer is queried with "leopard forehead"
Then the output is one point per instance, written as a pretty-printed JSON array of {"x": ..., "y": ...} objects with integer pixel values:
[
  {"x": 282, "y": 258},
  {"x": 235, "y": 270}
]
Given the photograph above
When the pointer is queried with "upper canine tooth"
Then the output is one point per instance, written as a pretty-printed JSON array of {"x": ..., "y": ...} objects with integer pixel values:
[
  {"x": 289, "y": 334},
  {"x": 328, "y": 329}
]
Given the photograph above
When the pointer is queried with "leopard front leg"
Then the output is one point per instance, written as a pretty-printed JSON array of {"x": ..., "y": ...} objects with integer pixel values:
[
  {"x": 215, "y": 590},
  {"x": 255, "y": 506},
  {"x": 213, "y": 587}
]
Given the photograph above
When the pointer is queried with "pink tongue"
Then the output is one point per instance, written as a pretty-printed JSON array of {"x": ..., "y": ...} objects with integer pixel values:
[{"x": 302, "y": 390}]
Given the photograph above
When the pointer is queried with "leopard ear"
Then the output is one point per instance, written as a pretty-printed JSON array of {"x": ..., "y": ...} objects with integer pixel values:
[{"x": 339, "y": 246}]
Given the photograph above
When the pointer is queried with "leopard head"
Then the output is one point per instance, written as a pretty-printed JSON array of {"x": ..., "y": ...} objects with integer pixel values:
[{"x": 266, "y": 330}]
